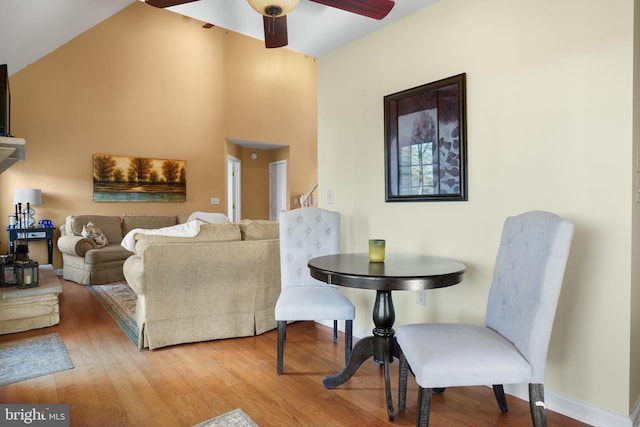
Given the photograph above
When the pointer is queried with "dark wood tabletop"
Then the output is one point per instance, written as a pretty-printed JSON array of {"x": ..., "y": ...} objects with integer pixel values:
[{"x": 409, "y": 272}]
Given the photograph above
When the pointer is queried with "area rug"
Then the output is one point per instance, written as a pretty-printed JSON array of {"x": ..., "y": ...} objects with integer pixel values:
[
  {"x": 32, "y": 357},
  {"x": 120, "y": 302},
  {"x": 235, "y": 418}
]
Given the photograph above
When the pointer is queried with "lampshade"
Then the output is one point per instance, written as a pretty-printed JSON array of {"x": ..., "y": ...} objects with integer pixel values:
[
  {"x": 33, "y": 196},
  {"x": 266, "y": 7}
]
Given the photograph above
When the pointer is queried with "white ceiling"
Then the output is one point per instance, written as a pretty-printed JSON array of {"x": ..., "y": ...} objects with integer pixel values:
[
  {"x": 30, "y": 29},
  {"x": 313, "y": 28}
]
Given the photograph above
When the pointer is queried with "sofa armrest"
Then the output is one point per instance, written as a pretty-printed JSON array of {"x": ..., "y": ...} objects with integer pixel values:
[{"x": 75, "y": 245}]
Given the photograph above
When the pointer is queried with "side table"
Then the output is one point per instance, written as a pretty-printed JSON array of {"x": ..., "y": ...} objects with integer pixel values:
[{"x": 33, "y": 234}]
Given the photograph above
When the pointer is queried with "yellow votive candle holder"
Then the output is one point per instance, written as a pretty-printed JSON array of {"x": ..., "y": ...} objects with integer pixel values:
[{"x": 376, "y": 250}]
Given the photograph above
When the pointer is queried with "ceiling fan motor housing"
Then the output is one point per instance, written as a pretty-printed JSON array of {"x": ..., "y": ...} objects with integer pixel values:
[
  {"x": 273, "y": 7},
  {"x": 273, "y": 10}
]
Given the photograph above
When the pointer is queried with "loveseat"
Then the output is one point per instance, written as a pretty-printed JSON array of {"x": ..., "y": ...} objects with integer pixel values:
[
  {"x": 222, "y": 283},
  {"x": 86, "y": 263}
]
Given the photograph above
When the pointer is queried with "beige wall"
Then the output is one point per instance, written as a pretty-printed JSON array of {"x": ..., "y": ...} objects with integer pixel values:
[
  {"x": 272, "y": 98},
  {"x": 151, "y": 83},
  {"x": 549, "y": 87}
]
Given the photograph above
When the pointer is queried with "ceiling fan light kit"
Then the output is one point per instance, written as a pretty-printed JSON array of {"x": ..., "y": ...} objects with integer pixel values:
[{"x": 273, "y": 7}]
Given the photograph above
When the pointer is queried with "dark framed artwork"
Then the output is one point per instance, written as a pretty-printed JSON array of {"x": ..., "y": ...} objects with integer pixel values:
[
  {"x": 425, "y": 142},
  {"x": 138, "y": 179}
]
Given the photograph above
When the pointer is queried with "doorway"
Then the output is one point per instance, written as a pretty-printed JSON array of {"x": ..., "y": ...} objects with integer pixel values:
[
  {"x": 277, "y": 189},
  {"x": 233, "y": 189}
]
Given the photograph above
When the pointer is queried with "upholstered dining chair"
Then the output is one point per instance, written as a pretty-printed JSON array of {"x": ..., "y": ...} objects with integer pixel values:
[
  {"x": 511, "y": 348},
  {"x": 307, "y": 233}
]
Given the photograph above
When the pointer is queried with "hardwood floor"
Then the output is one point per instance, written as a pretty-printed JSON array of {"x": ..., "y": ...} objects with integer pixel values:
[{"x": 114, "y": 384}]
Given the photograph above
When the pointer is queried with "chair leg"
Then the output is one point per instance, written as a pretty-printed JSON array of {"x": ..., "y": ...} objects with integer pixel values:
[
  {"x": 403, "y": 369},
  {"x": 498, "y": 390},
  {"x": 335, "y": 331},
  {"x": 424, "y": 406},
  {"x": 282, "y": 333},
  {"x": 536, "y": 404},
  {"x": 348, "y": 340}
]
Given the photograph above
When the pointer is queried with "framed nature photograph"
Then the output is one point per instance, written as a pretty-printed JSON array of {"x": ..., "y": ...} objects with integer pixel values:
[
  {"x": 138, "y": 179},
  {"x": 425, "y": 142}
]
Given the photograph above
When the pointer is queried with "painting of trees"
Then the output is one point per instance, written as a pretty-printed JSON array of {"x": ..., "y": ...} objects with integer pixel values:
[
  {"x": 103, "y": 167},
  {"x": 138, "y": 179},
  {"x": 170, "y": 170},
  {"x": 140, "y": 168}
]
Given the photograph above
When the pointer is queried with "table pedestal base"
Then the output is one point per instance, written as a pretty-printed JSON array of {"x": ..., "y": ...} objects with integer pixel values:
[{"x": 382, "y": 347}]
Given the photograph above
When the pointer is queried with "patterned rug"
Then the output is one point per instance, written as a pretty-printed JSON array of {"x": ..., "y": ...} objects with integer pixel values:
[
  {"x": 120, "y": 302},
  {"x": 235, "y": 418},
  {"x": 33, "y": 357}
]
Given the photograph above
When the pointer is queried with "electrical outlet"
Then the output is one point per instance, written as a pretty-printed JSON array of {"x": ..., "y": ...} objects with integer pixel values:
[
  {"x": 330, "y": 197},
  {"x": 215, "y": 200},
  {"x": 421, "y": 297}
]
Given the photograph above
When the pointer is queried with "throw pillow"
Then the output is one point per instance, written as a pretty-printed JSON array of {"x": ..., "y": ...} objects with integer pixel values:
[{"x": 92, "y": 232}]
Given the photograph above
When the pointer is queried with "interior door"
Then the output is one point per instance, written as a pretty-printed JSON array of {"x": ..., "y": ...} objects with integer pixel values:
[
  {"x": 233, "y": 189},
  {"x": 277, "y": 188}
]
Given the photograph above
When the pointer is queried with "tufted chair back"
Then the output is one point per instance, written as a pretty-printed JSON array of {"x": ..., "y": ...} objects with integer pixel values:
[
  {"x": 306, "y": 233},
  {"x": 526, "y": 283}
]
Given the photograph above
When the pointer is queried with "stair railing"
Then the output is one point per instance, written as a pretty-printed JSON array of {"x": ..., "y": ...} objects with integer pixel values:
[{"x": 307, "y": 199}]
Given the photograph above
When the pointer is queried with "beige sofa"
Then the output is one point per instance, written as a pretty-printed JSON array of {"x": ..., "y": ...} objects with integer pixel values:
[
  {"x": 84, "y": 262},
  {"x": 222, "y": 283}
]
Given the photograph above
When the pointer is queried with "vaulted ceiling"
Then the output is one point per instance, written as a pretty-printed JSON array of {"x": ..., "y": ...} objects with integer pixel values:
[{"x": 30, "y": 29}]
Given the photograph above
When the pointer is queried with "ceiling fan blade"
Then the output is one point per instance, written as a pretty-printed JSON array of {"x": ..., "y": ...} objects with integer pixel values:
[
  {"x": 275, "y": 31},
  {"x": 167, "y": 3},
  {"x": 376, "y": 9}
]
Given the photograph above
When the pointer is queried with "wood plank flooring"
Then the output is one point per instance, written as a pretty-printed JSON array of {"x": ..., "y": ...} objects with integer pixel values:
[{"x": 114, "y": 384}]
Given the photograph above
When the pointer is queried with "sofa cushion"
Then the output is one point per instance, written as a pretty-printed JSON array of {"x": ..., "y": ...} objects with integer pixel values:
[
  {"x": 253, "y": 229},
  {"x": 219, "y": 233},
  {"x": 112, "y": 252},
  {"x": 110, "y": 225},
  {"x": 148, "y": 222}
]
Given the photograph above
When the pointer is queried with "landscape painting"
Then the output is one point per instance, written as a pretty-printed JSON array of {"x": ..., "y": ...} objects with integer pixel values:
[{"x": 138, "y": 179}]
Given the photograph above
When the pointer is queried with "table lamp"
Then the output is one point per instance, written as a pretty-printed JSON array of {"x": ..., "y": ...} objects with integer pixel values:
[{"x": 28, "y": 197}]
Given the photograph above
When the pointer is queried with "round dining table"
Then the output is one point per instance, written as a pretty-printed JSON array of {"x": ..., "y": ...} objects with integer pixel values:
[{"x": 398, "y": 272}]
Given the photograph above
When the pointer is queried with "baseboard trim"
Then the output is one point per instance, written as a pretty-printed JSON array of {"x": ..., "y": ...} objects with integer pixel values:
[
  {"x": 572, "y": 408},
  {"x": 556, "y": 402}
]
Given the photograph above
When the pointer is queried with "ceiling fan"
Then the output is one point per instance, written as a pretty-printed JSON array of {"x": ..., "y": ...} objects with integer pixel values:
[{"x": 275, "y": 13}]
